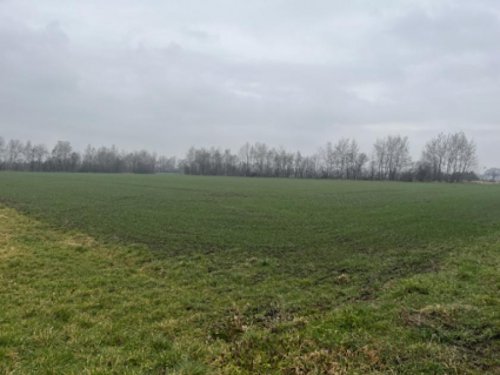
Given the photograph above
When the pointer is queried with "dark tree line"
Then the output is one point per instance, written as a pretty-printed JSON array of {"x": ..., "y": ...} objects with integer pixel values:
[
  {"x": 20, "y": 156},
  {"x": 447, "y": 157}
]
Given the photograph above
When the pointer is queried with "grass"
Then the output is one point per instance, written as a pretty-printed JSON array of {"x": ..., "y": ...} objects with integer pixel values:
[{"x": 185, "y": 275}]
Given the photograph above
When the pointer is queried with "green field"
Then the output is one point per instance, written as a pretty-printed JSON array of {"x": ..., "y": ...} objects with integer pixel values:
[{"x": 170, "y": 274}]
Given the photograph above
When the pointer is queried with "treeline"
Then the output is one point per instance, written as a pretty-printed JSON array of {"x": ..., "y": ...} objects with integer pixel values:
[
  {"x": 447, "y": 157},
  {"x": 26, "y": 156}
]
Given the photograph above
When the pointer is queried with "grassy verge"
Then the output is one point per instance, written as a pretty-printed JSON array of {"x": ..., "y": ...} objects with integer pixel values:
[{"x": 72, "y": 304}]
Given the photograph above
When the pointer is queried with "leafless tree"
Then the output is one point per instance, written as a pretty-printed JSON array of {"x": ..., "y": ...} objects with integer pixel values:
[
  {"x": 60, "y": 159},
  {"x": 245, "y": 156},
  {"x": 14, "y": 153},
  {"x": 40, "y": 154},
  {"x": 450, "y": 156},
  {"x": 391, "y": 157},
  {"x": 166, "y": 164},
  {"x": 435, "y": 155}
]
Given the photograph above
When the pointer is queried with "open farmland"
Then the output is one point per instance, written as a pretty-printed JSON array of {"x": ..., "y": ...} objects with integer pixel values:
[{"x": 184, "y": 275}]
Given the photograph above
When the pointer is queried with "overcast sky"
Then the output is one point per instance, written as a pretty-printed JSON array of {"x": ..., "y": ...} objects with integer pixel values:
[{"x": 165, "y": 75}]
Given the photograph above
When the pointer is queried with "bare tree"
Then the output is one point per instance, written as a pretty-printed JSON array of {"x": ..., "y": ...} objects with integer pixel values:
[
  {"x": 141, "y": 162},
  {"x": 435, "y": 155},
  {"x": 14, "y": 153},
  {"x": 166, "y": 164},
  {"x": 61, "y": 156},
  {"x": 260, "y": 158},
  {"x": 359, "y": 163},
  {"x": 462, "y": 156},
  {"x": 450, "y": 156},
  {"x": 327, "y": 156},
  {"x": 89, "y": 159},
  {"x": 341, "y": 156},
  {"x": 298, "y": 168},
  {"x": 391, "y": 156},
  {"x": 40, "y": 153},
  {"x": 29, "y": 155},
  {"x": 245, "y": 156},
  {"x": 379, "y": 165}
]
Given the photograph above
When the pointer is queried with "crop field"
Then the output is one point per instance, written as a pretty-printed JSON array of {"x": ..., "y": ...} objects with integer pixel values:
[{"x": 171, "y": 274}]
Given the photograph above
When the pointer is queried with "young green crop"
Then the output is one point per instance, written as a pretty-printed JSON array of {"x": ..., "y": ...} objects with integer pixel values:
[{"x": 178, "y": 274}]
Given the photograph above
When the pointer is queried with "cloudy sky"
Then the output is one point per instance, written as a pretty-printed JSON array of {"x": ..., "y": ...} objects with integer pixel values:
[{"x": 165, "y": 75}]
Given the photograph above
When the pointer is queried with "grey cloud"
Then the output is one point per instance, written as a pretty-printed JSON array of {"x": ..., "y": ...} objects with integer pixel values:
[{"x": 165, "y": 76}]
